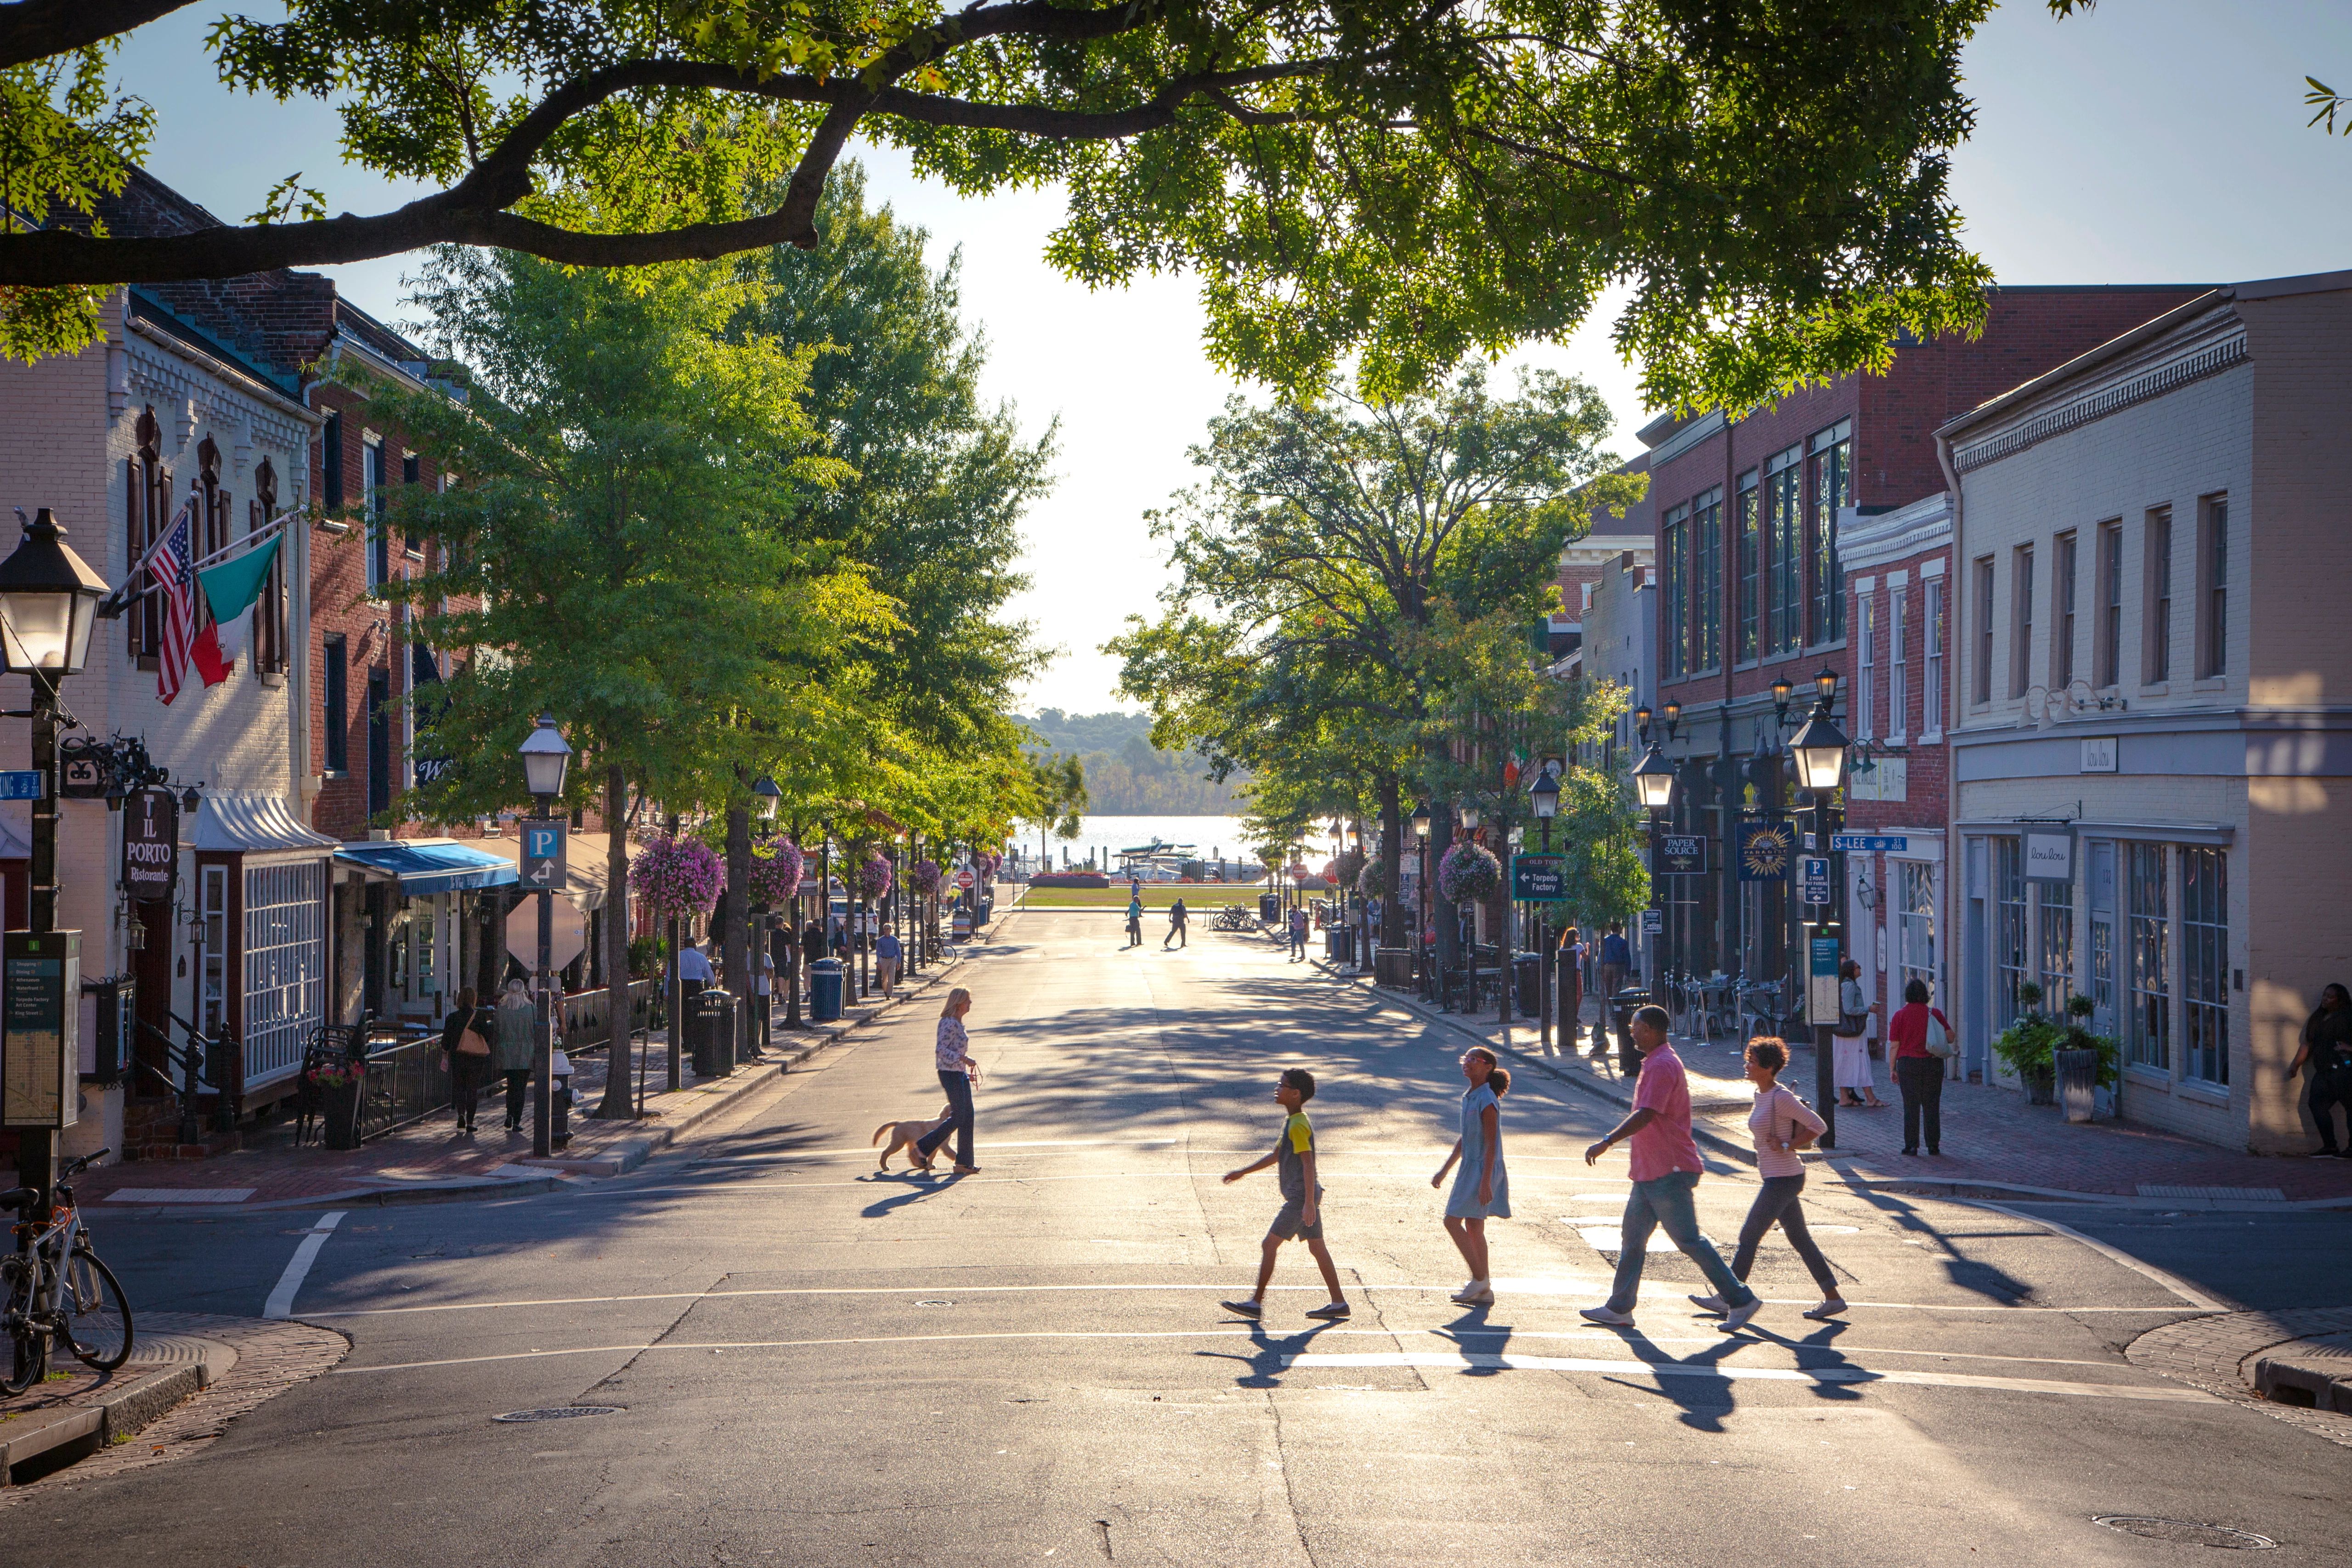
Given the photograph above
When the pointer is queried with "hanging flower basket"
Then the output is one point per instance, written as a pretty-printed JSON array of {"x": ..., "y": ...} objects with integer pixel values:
[
  {"x": 874, "y": 877},
  {"x": 1348, "y": 868},
  {"x": 1370, "y": 882},
  {"x": 924, "y": 878},
  {"x": 676, "y": 874},
  {"x": 776, "y": 869},
  {"x": 1468, "y": 873}
]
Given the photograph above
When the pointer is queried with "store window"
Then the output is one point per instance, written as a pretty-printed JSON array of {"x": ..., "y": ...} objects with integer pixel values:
[
  {"x": 1916, "y": 894},
  {"x": 284, "y": 965},
  {"x": 2057, "y": 939},
  {"x": 212, "y": 914},
  {"x": 2009, "y": 933},
  {"x": 1748, "y": 565},
  {"x": 2204, "y": 964},
  {"x": 2147, "y": 1030},
  {"x": 1707, "y": 571},
  {"x": 1832, "y": 490}
]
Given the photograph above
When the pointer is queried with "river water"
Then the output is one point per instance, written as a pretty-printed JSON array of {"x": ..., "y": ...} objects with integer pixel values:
[{"x": 1105, "y": 837}]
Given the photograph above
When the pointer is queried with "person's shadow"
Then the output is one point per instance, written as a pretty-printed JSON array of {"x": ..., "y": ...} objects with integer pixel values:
[
  {"x": 1267, "y": 1354},
  {"x": 929, "y": 1186}
]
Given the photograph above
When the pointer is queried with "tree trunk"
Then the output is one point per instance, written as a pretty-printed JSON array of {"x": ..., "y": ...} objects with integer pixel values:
[
  {"x": 1391, "y": 933},
  {"x": 619, "y": 1103},
  {"x": 739, "y": 930}
]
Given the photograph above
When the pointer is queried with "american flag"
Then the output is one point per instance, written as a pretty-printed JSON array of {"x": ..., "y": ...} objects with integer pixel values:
[{"x": 171, "y": 568}]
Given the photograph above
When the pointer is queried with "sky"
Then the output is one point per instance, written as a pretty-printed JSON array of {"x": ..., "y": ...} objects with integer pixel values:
[{"x": 2153, "y": 141}]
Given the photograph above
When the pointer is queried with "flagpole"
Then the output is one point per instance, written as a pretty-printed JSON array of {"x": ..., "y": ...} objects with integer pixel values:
[{"x": 258, "y": 535}]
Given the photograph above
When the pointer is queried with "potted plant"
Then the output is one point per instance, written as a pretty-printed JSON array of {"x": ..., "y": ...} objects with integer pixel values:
[
  {"x": 339, "y": 1085},
  {"x": 2078, "y": 1055},
  {"x": 2026, "y": 1046}
]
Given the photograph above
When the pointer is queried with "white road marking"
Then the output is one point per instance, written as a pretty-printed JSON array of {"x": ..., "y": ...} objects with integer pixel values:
[
  {"x": 298, "y": 1267},
  {"x": 721, "y": 1188},
  {"x": 1843, "y": 1376},
  {"x": 2178, "y": 1287}
]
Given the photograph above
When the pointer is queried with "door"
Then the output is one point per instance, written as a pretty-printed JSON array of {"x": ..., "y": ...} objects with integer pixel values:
[
  {"x": 2104, "y": 1015},
  {"x": 152, "y": 965},
  {"x": 1977, "y": 986}
]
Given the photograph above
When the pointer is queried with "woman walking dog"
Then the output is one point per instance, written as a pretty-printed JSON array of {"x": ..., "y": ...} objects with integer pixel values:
[{"x": 958, "y": 1074}]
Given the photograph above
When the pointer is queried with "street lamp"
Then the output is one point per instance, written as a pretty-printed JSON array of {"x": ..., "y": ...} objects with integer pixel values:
[
  {"x": 48, "y": 601},
  {"x": 1543, "y": 798},
  {"x": 1654, "y": 782},
  {"x": 1469, "y": 815},
  {"x": 546, "y": 758},
  {"x": 1641, "y": 721},
  {"x": 1673, "y": 712},
  {"x": 1422, "y": 916},
  {"x": 1781, "y": 691},
  {"x": 766, "y": 798},
  {"x": 1820, "y": 751}
]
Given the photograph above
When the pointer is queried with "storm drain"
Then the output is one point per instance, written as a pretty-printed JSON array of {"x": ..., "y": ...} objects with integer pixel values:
[
  {"x": 2226, "y": 1195},
  {"x": 2185, "y": 1532},
  {"x": 559, "y": 1412},
  {"x": 935, "y": 1303}
]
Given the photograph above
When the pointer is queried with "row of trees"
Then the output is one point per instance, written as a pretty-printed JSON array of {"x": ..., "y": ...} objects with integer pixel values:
[
  {"x": 727, "y": 519},
  {"x": 1356, "y": 584}
]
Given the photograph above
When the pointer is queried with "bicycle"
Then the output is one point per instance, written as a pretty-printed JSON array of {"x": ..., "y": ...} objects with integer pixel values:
[{"x": 55, "y": 1286}]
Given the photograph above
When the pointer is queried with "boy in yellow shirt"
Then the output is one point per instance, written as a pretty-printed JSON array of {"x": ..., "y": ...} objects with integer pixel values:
[{"x": 1302, "y": 1198}]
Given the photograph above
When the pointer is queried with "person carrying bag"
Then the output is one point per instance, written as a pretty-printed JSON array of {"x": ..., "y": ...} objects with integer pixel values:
[
  {"x": 465, "y": 1036},
  {"x": 1850, "y": 1042}
]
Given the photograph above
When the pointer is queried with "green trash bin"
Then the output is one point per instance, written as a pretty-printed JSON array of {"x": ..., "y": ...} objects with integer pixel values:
[{"x": 825, "y": 979}]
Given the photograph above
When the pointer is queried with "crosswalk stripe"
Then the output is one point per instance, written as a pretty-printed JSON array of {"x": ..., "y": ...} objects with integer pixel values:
[{"x": 1514, "y": 1361}]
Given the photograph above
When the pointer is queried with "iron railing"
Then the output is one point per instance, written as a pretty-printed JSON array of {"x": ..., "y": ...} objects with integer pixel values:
[{"x": 407, "y": 1081}]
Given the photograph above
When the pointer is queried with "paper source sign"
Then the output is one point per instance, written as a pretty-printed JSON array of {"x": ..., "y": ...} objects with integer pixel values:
[{"x": 2050, "y": 855}]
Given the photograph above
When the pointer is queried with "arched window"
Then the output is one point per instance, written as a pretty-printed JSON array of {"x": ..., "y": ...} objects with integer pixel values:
[{"x": 147, "y": 506}]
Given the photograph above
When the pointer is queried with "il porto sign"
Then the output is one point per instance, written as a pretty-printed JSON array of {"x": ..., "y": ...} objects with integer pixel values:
[{"x": 151, "y": 843}]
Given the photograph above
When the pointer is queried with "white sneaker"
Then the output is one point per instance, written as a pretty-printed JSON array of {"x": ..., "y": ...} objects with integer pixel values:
[
  {"x": 1828, "y": 1308},
  {"x": 1737, "y": 1317},
  {"x": 1715, "y": 1304},
  {"x": 1609, "y": 1315},
  {"x": 1477, "y": 1293}
]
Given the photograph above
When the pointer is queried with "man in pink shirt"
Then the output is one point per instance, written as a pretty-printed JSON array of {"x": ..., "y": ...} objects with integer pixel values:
[{"x": 1665, "y": 1171}]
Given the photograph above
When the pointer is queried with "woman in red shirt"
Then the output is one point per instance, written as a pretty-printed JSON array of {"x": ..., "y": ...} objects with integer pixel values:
[{"x": 1918, "y": 1073}]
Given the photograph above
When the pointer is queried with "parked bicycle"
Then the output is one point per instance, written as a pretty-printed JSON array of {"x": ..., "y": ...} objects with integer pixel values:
[
  {"x": 1232, "y": 917},
  {"x": 54, "y": 1287}
]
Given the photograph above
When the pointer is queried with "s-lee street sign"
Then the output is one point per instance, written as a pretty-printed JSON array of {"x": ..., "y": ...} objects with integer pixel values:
[
  {"x": 1869, "y": 843},
  {"x": 1682, "y": 855},
  {"x": 543, "y": 856},
  {"x": 1539, "y": 879}
]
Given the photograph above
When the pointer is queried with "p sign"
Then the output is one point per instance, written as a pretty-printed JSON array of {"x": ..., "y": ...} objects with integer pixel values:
[{"x": 542, "y": 856}]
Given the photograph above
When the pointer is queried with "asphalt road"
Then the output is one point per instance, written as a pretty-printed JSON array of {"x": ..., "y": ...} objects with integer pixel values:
[{"x": 816, "y": 1364}]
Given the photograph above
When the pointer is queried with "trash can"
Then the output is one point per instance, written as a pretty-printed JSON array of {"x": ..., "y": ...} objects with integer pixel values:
[
  {"x": 1393, "y": 968},
  {"x": 559, "y": 1110},
  {"x": 714, "y": 1032},
  {"x": 2078, "y": 1079},
  {"x": 1527, "y": 970},
  {"x": 1269, "y": 909},
  {"x": 824, "y": 991},
  {"x": 1621, "y": 1007}
]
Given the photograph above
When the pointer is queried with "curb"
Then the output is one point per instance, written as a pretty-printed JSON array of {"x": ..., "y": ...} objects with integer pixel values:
[
  {"x": 111, "y": 1418},
  {"x": 2211, "y": 1354}
]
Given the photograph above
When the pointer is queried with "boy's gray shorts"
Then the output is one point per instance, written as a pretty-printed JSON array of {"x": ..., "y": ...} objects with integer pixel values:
[{"x": 1288, "y": 1225}]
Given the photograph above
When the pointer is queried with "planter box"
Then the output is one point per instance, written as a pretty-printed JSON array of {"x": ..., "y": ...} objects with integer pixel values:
[{"x": 339, "y": 1113}]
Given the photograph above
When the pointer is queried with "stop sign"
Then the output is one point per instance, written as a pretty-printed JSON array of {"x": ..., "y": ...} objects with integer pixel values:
[{"x": 963, "y": 879}]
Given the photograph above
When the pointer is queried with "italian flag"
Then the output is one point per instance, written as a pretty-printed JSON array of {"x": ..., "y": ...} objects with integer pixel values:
[{"x": 230, "y": 589}]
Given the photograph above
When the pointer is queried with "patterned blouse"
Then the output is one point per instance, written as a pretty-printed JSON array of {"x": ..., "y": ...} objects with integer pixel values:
[{"x": 954, "y": 1046}]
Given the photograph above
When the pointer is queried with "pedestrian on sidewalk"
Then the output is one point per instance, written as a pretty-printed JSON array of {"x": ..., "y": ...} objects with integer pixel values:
[
  {"x": 510, "y": 1054},
  {"x": 466, "y": 1037},
  {"x": 1482, "y": 1186},
  {"x": 958, "y": 1075},
  {"x": 1665, "y": 1171},
  {"x": 1918, "y": 1067},
  {"x": 889, "y": 953},
  {"x": 1176, "y": 918},
  {"x": 1781, "y": 1124},
  {"x": 1616, "y": 957},
  {"x": 1570, "y": 960},
  {"x": 1301, "y": 1215},
  {"x": 2327, "y": 1046},
  {"x": 1297, "y": 935},
  {"x": 1850, "y": 1048},
  {"x": 694, "y": 973},
  {"x": 1135, "y": 919},
  {"x": 764, "y": 980}
]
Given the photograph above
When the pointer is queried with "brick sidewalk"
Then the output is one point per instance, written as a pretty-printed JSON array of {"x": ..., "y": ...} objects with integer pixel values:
[
  {"x": 426, "y": 1159},
  {"x": 1992, "y": 1138}
]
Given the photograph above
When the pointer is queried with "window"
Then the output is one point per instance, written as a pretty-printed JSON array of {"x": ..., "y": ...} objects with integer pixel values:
[
  {"x": 212, "y": 504},
  {"x": 147, "y": 507},
  {"x": 1673, "y": 589},
  {"x": 284, "y": 965},
  {"x": 1980, "y": 680},
  {"x": 2108, "y": 667},
  {"x": 1867, "y": 671},
  {"x": 2009, "y": 930},
  {"x": 1784, "y": 587},
  {"x": 1915, "y": 890},
  {"x": 2148, "y": 1033},
  {"x": 330, "y": 462},
  {"x": 373, "y": 500},
  {"x": 1706, "y": 540},
  {"x": 1832, "y": 488},
  {"x": 1748, "y": 550},
  {"x": 2204, "y": 964},
  {"x": 409, "y": 475},
  {"x": 2062, "y": 595},
  {"x": 212, "y": 956},
  {"x": 1898, "y": 665},
  {"x": 2156, "y": 659},
  {"x": 2021, "y": 652},
  {"x": 270, "y": 609},
  {"x": 1931, "y": 689},
  {"x": 337, "y": 720},
  {"x": 2057, "y": 913},
  {"x": 2213, "y": 589}
]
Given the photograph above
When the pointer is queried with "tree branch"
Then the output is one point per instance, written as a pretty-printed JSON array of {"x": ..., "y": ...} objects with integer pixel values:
[{"x": 35, "y": 29}]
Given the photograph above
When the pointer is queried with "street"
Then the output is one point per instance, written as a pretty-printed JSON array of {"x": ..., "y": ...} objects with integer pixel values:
[{"x": 812, "y": 1363}]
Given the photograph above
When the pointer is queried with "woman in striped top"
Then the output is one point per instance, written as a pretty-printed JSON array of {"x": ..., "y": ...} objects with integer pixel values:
[
  {"x": 958, "y": 1073},
  {"x": 1781, "y": 1124}
]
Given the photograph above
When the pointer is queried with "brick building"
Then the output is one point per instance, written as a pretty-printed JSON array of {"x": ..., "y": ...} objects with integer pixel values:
[{"x": 1752, "y": 585}]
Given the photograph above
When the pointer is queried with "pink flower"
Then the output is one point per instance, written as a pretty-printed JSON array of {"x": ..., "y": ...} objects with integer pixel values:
[{"x": 676, "y": 874}]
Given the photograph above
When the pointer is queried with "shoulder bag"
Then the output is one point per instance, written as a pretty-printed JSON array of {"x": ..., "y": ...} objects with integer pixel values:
[
  {"x": 471, "y": 1041},
  {"x": 1940, "y": 1043}
]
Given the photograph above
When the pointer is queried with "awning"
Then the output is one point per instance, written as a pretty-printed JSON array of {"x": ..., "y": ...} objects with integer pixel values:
[
  {"x": 12, "y": 846},
  {"x": 424, "y": 866},
  {"x": 584, "y": 864},
  {"x": 252, "y": 821}
]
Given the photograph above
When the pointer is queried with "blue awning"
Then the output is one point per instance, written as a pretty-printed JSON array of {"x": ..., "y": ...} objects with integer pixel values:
[{"x": 431, "y": 865}]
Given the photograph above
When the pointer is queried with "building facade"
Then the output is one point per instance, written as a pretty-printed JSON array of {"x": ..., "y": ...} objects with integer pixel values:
[{"x": 2152, "y": 735}]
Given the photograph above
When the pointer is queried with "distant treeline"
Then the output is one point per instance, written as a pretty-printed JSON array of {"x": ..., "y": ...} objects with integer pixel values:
[{"x": 1126, "y": 774}]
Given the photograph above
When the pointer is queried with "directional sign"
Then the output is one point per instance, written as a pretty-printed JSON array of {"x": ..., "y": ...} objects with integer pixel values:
[
  {"x": 1869, "y": 843},
  {"x": 1816, "y": 880},
  {"x": 1682, "y": 855},
  {"x": 21, "y": 783},
  {"x": 1653, "y": 923},
  {"x": 1539, "y": 879},
  {"x": 542, "y": 856}
]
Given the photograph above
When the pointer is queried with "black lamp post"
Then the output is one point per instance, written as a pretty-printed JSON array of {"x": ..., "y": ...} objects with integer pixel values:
[
  {"x": 546, "y": 757},
  {"x": 1819, "y": 749},
  {"x": 1543, "y": 799},
  {"x": 1422, "y": 935},
  {"x": 49, "y": 602},
  {"x": 1653, "y": 780}
]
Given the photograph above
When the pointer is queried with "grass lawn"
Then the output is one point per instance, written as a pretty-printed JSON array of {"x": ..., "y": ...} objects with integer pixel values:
[{"x": 1199, "y": 898}]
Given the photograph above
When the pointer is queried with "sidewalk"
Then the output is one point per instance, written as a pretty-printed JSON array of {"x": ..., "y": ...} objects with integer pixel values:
[
  {"x": 426, "y": 1162},
  {"x": 1993, "y": 1141}
]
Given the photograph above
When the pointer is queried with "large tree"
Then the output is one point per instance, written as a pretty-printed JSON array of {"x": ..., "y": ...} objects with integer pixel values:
[{"x": 1388, "y": 182}]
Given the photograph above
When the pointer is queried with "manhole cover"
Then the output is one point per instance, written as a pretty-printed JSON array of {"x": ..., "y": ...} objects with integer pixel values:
[
  {"x": 935, "y": 1303},
  {"x": 2185, "y": 1532},
  {"x": 560, "y": 1413}
]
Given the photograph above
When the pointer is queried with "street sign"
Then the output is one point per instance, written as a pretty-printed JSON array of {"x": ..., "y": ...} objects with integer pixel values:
[
  {"x": 1822, "y": 998},
  {"x": 2050, "y": 855},
  {"x": 1869, "y": 843},
  {"x": 1764, "y": 851},
  {"x": 543, "y": 856},
  {"x": 21, "y": 783},
  {"x": 963, "y": 879},
  {"x": 1653, "y": 923},
  {"x": 1816, "y": 880},
  {"x": 151, "y": 843},
  {"x": 1539, "y": 879},
  {"x": 569, "y": 930},
  {"x": 1681, "y": 855}
]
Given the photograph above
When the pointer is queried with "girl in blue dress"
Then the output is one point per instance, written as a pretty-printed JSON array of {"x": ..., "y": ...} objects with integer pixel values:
[{"x": 1482, "y": 1187}]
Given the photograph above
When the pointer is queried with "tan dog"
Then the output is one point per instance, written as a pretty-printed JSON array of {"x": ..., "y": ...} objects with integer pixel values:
[{"x": 903, "y": 1135}]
